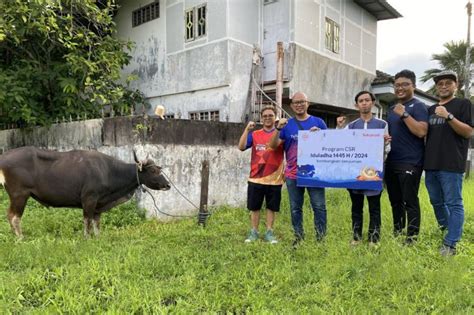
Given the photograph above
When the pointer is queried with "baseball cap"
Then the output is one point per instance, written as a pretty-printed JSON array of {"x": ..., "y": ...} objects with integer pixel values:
[{"x": 446, "y": 74}]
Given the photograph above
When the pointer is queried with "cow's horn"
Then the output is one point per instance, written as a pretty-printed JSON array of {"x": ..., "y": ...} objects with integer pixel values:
[{"x": 135, "y": 156}]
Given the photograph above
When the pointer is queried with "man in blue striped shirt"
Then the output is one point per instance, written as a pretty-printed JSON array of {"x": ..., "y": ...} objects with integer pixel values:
[{"x": 364, "y": 103}]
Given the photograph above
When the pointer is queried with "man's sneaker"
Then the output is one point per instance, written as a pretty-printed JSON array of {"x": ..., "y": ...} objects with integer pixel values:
[
  {"x": 355, "y": 242},
  {"x": 397, "y": 233},
  {"x": 411, "y": 240},
  {"x": 253, "y": 236},
  {"x": 374, "y": 245},
  {"x": 296, "y": 242},
  {"x": 446, "y": 250},
  {"x": 270, "y": 237}
]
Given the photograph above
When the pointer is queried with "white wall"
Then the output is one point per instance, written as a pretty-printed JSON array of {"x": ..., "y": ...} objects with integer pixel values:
[
  {"x": 244, "y": 20},
  {"x": 210, "y": 73},
  {"x": 358, "y": 30},
  {"x": 181, "y": 163}
]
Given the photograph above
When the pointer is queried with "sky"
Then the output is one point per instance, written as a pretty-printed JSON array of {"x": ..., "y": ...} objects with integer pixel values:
[{"x": 408, "y": 42}]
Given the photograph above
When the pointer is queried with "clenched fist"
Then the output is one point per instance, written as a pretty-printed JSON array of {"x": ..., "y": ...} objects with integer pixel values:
[
  {"x": 441, "y": 111},
  {"x": 250, "y": 125},
  {"x": 399, "y": 109},
  {"x": 282, "y": 123}
]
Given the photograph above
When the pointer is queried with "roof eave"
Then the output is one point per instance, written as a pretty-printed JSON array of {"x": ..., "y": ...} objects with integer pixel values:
[{"x": 380, "y": 9}]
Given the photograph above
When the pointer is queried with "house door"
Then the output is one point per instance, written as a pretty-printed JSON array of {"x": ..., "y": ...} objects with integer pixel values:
[{"x": 276, "y": 28}]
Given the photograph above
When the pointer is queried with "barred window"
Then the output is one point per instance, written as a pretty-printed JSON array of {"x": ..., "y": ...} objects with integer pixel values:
[
  {"x": 195, "y": 20},
  {"x": 189, "y": 24},
  {"x": 205, "y": 115},
  {"x": 332, "y": 36},
  {"x": 147, "y": 13},
  {"x": 201, "y": 21}
]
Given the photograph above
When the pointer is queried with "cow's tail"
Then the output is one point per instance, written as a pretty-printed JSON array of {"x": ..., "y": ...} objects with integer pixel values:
[{"x": 2, "y": 177}]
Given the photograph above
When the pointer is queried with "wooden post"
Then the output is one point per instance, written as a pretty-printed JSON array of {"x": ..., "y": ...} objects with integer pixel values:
[
  {"x": 203, "y": 212},
  {"x": 467, "y": 82},
  {"x": 279, "y": 79}
]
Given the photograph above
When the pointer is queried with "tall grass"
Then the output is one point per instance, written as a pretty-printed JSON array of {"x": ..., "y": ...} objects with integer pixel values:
[{"x": 140, "y": 266}]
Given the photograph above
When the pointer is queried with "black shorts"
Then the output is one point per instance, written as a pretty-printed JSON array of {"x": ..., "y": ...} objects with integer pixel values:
[{"x": 256, "y": 193}]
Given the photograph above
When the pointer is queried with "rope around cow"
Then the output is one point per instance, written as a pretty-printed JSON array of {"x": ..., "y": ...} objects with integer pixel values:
[{"x": 202, "y": 215}]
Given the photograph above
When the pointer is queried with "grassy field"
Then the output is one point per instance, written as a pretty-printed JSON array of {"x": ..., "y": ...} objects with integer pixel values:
[{"x": 140, "y": 266}]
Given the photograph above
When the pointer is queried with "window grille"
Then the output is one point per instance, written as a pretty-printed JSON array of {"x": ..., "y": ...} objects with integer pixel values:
[
  {"x": 205, "y": 115},
  {"x": 195, "y": 22},
  {"x": 145, "y": 14},
  {"x": 189, "y": 24},
  {"x": 201, "y": 21},
  {"x": 332, "y": 36}
]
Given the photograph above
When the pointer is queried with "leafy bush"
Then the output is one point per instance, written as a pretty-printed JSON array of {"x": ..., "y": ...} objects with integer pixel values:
[{"x": 59, "y": 59}]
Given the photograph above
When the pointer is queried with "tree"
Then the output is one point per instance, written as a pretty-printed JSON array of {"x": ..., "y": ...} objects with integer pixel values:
[
  {"x": 453, "y": 58},
  {"x": 58, "y": 58}
]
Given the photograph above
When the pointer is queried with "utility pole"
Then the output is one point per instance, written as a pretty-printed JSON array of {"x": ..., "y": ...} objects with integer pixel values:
[
  {"x": 467, "y": 82},
  {"x": 279, "y": 79}
]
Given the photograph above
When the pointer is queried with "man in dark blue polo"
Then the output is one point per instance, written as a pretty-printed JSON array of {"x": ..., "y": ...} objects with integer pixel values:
[{"x": 408, "y": 125}]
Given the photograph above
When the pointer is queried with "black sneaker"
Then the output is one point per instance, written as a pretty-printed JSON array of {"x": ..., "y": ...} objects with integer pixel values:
[
  {"x": 397, "y": 233},
  {"x": 319, "y": 237},
  {"x": 411, "y": 240},
  {"x": 296, "y": 242},
  {"x": 447, "y": 251}
]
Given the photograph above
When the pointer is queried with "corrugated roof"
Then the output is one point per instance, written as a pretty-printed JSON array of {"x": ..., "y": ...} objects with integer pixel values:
[
  {"x": 380, "y": 9},
  {"x": 385, "y": 78},
  {"x": 382, "y": 78}
]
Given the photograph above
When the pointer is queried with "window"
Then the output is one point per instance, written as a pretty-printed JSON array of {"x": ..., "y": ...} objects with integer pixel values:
[
  {"x": 206, "y": 115},
  {"x": 169, "y": 116},
  {"x": 145, "y": 14},
  {"x": 189, "y": 27},
  {"x": 195, "y": 20},
  {"x": 332, "y": 36},
  {"x": 201, "y": 21}
]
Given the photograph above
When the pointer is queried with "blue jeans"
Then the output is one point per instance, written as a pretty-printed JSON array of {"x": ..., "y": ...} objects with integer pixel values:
[
  {"x": 445, "y": 190},
  {"x": 318, "y": 203}
]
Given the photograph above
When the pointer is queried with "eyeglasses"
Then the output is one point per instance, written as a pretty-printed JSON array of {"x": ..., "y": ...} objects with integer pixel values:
[
  {"x": 268, "y": 116},
  {"x": 402, "y": 85},
  {"x": 298, "y": 102}
]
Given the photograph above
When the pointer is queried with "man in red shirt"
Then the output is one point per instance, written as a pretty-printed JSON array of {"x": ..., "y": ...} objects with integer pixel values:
[{"x": 266, "y": 173}]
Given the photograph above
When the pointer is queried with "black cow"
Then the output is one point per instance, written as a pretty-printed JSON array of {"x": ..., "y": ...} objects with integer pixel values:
[{"x": 89, "y": 180}]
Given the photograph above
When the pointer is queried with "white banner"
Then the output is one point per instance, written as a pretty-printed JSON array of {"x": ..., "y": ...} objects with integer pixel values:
[{"x": 347, "y": 158}]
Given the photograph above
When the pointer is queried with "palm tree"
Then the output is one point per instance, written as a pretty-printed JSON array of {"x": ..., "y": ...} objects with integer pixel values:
[{"x": 453, "y": 58}]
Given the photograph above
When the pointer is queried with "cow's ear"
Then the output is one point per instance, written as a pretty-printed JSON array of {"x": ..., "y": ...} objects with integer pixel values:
[
  {"x": 149, "y": 162},
  {"x": 135, "y": 156}
]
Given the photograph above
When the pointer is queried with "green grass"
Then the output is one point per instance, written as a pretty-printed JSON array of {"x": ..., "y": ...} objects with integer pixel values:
[{"x": 140, "y": 266}]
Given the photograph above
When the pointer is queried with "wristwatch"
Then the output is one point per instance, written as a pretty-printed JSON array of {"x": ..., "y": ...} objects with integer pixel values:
[
  {"x": 405, "y": 115},
  {"x": 450, "y": 117}
]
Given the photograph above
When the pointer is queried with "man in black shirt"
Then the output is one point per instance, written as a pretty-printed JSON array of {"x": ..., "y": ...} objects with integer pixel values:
[
  {"x": 407, "y": 125},
  {"x": 447, "y": 143}
]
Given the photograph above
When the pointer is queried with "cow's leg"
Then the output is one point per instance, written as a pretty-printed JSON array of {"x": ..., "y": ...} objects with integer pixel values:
[
  {"x": 88, "y": 207},
  {"x": 87, "y": 225},
  {"x": 96, "y": 224},
  {"x": 14, "y": 213}
]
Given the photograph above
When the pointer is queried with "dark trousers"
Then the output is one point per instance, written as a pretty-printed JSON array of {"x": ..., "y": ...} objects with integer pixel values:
[
  {"x": 357, "y": 216},
  {"x": 402, "y": 187}
]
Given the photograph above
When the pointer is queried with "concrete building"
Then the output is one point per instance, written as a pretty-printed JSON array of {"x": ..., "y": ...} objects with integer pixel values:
[{"x": 197, "y": 58}]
